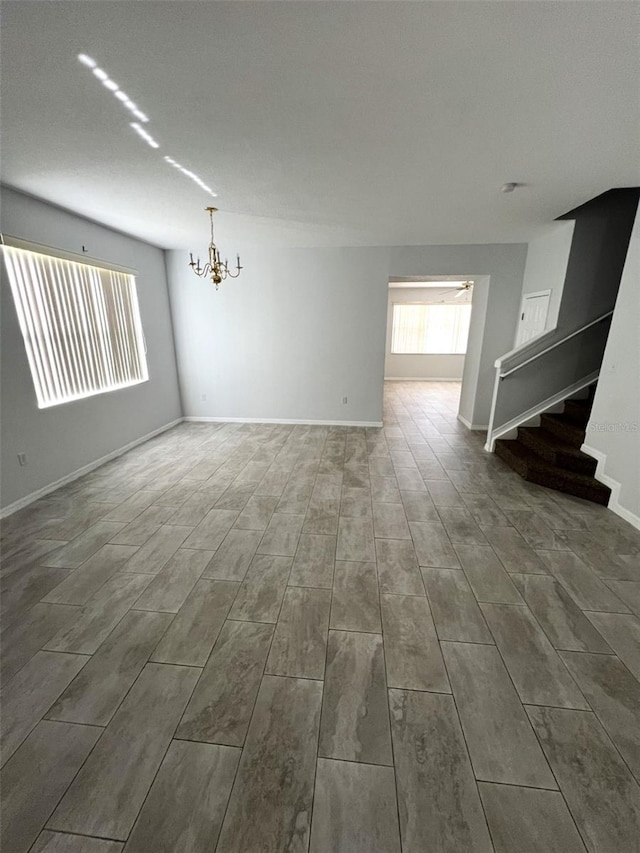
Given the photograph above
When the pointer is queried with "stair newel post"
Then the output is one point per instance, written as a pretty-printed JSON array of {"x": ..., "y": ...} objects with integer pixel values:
[{"x": 491, "y": 442}]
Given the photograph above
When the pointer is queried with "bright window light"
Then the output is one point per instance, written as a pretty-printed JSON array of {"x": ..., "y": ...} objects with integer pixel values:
[
  {"x": 121, "y": 96},
  {"x": 86, "y": 60},
  {"x": 80, "y": 323},
  {"x": 113, "y": 87},
  {"x": 100, "y": 74},
  {"x": 430, "y": 329}
]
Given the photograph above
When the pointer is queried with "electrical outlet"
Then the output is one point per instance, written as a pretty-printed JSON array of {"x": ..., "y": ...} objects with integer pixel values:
[
  {"x": 22, "y": 459},
  {"x": 344, "y": 400}
]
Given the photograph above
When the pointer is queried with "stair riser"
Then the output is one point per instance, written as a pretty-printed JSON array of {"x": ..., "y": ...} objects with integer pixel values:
[
  {"x": 518, "y": 465},
  {"x": 570, "y": 463},
  {"x": 569, "y": 488},
  {"x": 550, "y": 456},
  {"x": 562, "y": 460},
  {"x": 578, "y": 420},
  {"x": 577, "y": 414},
  {"x": 567, "y": 432},
  {"x": 596, "y": 493}
]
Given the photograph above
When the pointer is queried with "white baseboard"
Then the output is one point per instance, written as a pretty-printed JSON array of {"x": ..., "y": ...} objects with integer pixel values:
[
  {"x": 282, "y": 421},
  {"x": 469, "y": 425},
  {"x": 80, "y": 472},
  {"x": 614, "y": 485},
  {"x": 423, "y": 378}
]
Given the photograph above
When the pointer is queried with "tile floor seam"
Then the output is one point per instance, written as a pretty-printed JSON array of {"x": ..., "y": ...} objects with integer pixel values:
[{"x": 343, "y": 466}]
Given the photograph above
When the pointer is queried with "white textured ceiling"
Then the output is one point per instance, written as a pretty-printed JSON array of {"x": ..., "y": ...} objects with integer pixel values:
[{"x": 323, "y": 123}]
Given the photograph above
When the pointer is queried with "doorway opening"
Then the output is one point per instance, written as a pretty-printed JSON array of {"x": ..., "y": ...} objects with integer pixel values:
[{"x": 428, "y": 324}]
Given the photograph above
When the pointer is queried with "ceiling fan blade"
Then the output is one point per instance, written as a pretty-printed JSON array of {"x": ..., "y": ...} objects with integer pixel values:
[{"x": 459, "y": 291}]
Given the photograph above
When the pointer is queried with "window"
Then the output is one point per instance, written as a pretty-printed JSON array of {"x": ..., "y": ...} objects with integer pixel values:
[
  {"x": 430, "y": 329},
  {"x": 80, "y": 323}
]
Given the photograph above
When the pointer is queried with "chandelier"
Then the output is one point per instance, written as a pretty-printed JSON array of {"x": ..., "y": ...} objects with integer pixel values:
[{"x": 214, "y": 267}]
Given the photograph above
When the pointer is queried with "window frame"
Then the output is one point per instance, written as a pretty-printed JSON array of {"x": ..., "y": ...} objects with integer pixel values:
[{"x": 103, "y": 327}]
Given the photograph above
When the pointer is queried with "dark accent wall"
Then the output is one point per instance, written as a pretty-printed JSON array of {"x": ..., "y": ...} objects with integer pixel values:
[{"x": 597, "y": 255}]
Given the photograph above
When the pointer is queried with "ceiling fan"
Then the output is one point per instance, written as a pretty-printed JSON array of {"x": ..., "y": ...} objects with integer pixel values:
[{"x": 465, "y": 287}]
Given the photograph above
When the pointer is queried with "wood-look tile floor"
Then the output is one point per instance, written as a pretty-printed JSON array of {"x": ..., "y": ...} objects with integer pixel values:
[{"x": 258, "y": 638}]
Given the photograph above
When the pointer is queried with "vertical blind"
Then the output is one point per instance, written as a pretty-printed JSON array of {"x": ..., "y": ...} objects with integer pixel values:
[
  {"x": 80, "y": 323},
  {"x": 430, "y": 329}
]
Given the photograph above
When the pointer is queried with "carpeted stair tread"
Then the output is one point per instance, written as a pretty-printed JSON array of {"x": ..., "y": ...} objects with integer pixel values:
[
  {"x": 556, "y": 451},
  {"x": 564, "y": 428},
  {"x": 534, "y": 468}
]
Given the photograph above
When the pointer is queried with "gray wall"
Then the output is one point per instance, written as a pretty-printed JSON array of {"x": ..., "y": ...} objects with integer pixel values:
[
  {"x": 62, "y": 439},
  {"x": 418, "y": 366},
  {"x": 546, "y": 266},
  {"x": 300, "y": 329},
  {"x": 614, "y": 427}
]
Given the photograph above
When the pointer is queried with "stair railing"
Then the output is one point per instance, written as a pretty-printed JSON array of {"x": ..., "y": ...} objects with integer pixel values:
[{"x": 544, "y": 376}]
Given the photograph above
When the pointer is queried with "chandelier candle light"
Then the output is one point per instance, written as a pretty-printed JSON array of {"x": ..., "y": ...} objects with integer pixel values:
[{"x": 214, "y": 268}]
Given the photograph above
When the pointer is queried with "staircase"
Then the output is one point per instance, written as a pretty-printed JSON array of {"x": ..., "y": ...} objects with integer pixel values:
[{"x": 550, "y": 454}]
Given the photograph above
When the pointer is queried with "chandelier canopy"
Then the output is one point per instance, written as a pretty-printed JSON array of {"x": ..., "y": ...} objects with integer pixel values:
[{"x": 215, "y": 268}]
